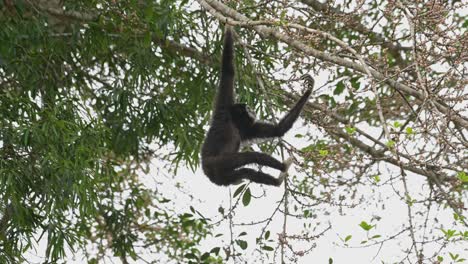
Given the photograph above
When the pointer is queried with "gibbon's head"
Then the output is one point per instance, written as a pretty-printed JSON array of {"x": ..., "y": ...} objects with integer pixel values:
[{"x": 241, "y": 113}]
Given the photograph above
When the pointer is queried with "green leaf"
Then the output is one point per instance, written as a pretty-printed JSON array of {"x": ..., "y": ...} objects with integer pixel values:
[
  {"x": 246, "y": 197},
  {"x": 308, "y": 148},
  {"x": 454, "y": 256},
  {"x": 205, "y": 256},
  {"x": 267, "y": 248},
  {"x": 347, "y": 238},
  {"x": 323, "y": 152},
  {"x": 267, "y": 234},
  {"x": 190, "y": 256},
  {"x": 221, "y": 210},
  {"x": 364, "y": 225},
  {"x": 339, "y": 88},
  {"x": 390, "y": 143},
  {"x": 397, "y": 124},
  {"x": 410, "y": 201},
  {"x": 26, "y": 137},
  {"x": 239, "y": 190},
  {"x": 462, "y": 176},
  {"x": 242, "y": 244},
  {"x": 440, "y": 258},
  {"x": 409, "y": 131},
  {"x": 355, "y": 82},
  {"x": 283, "y": 15},
  {"x": 377, "y": 178},
  {"x": 215, "y": 250},
  {"x": 147, "y": 40},
  {"x": 449, "y": 233},
  {"x": 243, "y": 234},
  {"x": 465, "y": 24},
  {"x": 350, "y": 130},
  {"x": 330, "y": 261}
]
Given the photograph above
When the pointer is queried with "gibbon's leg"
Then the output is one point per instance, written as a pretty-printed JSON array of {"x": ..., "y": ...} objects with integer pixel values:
[
  {"x": 235, "y": 160},
  {"x": 253, "y": 175},
  {"x": 267, "y": 130}
]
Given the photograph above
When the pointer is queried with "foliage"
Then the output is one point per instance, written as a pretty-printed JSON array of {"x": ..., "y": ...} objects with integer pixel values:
[{"x": 80, "y": 103}]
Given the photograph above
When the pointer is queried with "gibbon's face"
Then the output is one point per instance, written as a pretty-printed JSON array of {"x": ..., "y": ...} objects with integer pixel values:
[{"x": 243, "y": 112}]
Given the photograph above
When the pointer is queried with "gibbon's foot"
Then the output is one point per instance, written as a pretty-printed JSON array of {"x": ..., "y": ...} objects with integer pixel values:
[{"x": 287, "y": 163}]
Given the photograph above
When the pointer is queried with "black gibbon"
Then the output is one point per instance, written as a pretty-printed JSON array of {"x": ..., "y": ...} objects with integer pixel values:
[{"x": 233, "y": 123}]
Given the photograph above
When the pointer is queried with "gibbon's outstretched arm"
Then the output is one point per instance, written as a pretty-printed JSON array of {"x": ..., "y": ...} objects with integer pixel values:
[
  {"x": 225, "y": 94},
  {"x": 288, "y": 120},
  {"x": 267, "y": 130}
]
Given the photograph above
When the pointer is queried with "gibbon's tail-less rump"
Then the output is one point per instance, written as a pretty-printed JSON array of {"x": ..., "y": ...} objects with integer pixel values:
[{"x": 234, "y": 123}]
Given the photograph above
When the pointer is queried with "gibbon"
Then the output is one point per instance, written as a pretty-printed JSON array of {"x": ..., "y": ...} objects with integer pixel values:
[{"x": 234, "y": 123}]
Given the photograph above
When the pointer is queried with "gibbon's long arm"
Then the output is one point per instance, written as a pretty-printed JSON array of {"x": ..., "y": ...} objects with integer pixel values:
[
  {"x": 267, "y": 130},
  {"x": 225, "y": 95},
  {"x": 288, "y": 120}
]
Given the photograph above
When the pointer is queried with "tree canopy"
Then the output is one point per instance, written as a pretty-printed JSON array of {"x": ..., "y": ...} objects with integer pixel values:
[{"x": 94, "y": 93}]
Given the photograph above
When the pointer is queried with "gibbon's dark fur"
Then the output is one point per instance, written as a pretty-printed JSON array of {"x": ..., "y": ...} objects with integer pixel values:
[{"x": 233, "y": 123}]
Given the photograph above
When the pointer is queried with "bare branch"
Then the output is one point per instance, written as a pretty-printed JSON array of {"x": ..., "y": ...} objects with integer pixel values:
[{"x": 394, "y": 49}]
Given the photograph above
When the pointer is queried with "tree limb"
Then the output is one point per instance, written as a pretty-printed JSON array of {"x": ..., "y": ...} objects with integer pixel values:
[{"x": 230, "y": 16}]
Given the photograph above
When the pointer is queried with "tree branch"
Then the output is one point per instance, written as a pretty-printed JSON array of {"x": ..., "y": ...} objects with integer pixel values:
[
  {"x": 394, "y": 49},
  {"x": 230, "y": 16}
]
